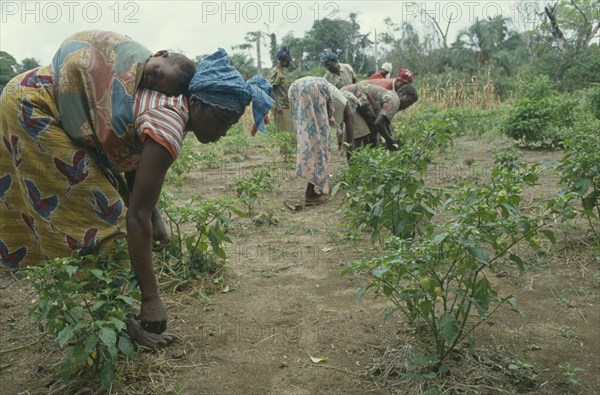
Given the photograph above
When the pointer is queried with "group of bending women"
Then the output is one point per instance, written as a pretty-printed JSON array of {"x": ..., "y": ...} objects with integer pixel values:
[
  {"x": 357, "y": 112},
  {"x": 88, "y": 140}
]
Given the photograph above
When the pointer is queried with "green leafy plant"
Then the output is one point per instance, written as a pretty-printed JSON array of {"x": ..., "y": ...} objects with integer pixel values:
[
  {"x": 570, "y": 372},
  {"x": 593, "y": 100},
  {"x": 509, "y": 159},
  {"x": 540, "y": 114},
  {"x": 438, "y": 281},
  {"x": 250, "y": 190},
  {"x": 580, "y": 169},
  {"x": 384, "y": 192},
  {"x": 86, "y": 309},
  {"x": 209, "y": 157},
  {"x": 197, "y": 234},
  {"x": 285, "y": 143},
  {"x": 186, "y": 161},
  {"x": 236, "y": 141},
  {"x": 432, "y": 131}
]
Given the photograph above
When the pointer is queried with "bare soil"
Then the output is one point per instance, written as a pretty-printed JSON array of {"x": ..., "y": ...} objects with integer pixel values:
[{"x": 290, "y": 303}]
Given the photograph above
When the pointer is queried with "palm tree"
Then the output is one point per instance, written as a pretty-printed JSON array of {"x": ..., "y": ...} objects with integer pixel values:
[{"x": 483, "y": 38}]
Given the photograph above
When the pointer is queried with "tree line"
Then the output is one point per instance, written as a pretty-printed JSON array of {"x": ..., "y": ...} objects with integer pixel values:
[{"x": 560, "y": 41}]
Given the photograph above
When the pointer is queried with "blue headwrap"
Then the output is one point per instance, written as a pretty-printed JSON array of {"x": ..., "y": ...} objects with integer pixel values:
[
  {"x": 328, "y": 55},
  {"x": 284, "y": 51},
  {"x": 261, "y": 99},
  {"x": 218, "y": 84}
]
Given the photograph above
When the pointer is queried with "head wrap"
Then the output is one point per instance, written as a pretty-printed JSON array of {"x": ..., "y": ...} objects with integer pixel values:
[
  {"x": 387, "y": 67},
  {"x": 406, "y": 76},
  {"x": 218, "y": 84},
  {"x": 261, "y": 99},
  {"x": 328, "y": 55},
  {"x": 284, "y": 51}
]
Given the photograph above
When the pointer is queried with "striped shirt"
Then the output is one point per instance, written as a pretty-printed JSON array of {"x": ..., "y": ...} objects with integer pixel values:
[{"x": 162, "y": 118}]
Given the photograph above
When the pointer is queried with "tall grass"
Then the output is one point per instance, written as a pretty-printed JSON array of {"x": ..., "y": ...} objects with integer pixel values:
[{"x": 449, "y": 92}]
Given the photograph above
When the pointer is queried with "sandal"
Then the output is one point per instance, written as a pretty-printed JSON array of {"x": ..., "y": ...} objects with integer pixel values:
[{"x": 322, "y": 198}]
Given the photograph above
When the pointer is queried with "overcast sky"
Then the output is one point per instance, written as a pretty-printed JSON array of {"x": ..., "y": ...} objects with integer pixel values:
[{"x": 193, "y": 27}]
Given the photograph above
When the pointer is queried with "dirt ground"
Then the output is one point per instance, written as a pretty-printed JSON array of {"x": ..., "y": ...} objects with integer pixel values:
[{"x": 290, "y": 303}]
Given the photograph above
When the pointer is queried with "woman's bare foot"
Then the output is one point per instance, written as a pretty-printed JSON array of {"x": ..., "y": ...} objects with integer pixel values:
[{"x": 147, "y": 339}]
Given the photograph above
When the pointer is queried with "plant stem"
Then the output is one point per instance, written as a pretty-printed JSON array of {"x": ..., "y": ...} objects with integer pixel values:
[{"x": 21, "y": 347}]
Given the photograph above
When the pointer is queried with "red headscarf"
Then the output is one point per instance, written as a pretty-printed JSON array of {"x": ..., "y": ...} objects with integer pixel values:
[{"x": 406, "y": 76}]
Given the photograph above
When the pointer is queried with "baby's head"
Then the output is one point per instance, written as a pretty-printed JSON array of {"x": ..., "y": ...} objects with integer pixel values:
[{"x": 168, "y": 73}]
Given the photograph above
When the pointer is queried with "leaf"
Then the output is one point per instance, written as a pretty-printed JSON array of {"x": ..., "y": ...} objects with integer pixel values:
[
  {"x": 214, "y": 238},
  {"x": 70, "y": 270},
  {"x": 227, "y": 289},
  {"x": 425, "y": 307},
  {"x": 589, "y": 204},
  {"x": 106, "y": 375},
  {"x": 317, "y": 360},
  {"x": 482, "y": 296},
  {"x": 380, "y": 271},
  {"x": 97, "y": 273},
  {"x": 90, "y": 344},
  {"x": 481, "y": 255},
  {"x": 361, "y": 293},
  {"x": 125, "y": 346},
  {"x": 438, "y": 239},
  {"x": 335, "y": 188},
  {"x": 127, "y": 299},
  {"x": 549, "y": 235},
  {"x": 66, "y": 370},
  {"x": 470, "y": 199},
  {"x": 119, "y": 325},
  {"x": 448, "y": 327},
  {"x": 109, "y": 338},
  {"x": 238, "y": 212},
  {"x": 64, "y": 335},
  {"x": 388, "y": 290},
  {"x": 98, "y": 304},
  {"x": 518, "y": 261},
  {"x": 582, "y": 185}
]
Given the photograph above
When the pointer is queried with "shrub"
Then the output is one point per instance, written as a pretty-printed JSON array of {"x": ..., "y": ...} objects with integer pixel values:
[
  {"x": 197, "y": 234},
  {"x": 509, "y": 159},
  {"x": 580, "y": 168},
  {"x": 236, "y": 141},
  {"x": 86, "y": 309},
  {"x": 593, "y": 100},
  {"x": 250, "y": 190},
  {"x": 540, "y": 114},
  {"x": 384, "y": 192},
  {"x": 186, "y": 161},
  {"x": 438, "y": 280},
  {"x": 285, "y": 142}
]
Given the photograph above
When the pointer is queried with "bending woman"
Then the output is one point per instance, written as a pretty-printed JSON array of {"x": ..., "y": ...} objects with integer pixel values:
[
  {"x": 71, "y": 129},
  {"x": 316, "y": 105}
]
